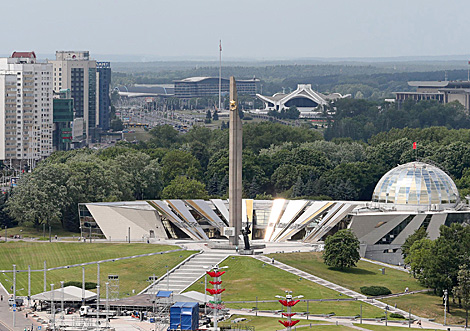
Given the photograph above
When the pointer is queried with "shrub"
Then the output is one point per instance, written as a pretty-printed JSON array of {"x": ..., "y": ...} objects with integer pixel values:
[
  {"x": 88, "y": 285},
  {"x": 374, "y": 291},
  {"x": 395, "y": 315}
]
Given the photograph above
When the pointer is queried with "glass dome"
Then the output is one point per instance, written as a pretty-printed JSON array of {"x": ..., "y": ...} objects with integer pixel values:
[{"x": 416, "y": 184}]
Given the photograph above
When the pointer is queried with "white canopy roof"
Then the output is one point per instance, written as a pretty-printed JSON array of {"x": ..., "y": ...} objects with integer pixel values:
[{"x": 71, "y": 293}]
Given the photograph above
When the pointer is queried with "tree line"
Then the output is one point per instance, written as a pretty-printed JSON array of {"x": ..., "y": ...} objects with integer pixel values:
[{"x": 278, "y": 161}]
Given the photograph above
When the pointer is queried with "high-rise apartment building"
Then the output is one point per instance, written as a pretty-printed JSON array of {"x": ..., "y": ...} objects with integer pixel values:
[
  {"x": 25, "y": 109},
  {"x": 104, "y": 102},
  {"x": 76, "y": 71}
]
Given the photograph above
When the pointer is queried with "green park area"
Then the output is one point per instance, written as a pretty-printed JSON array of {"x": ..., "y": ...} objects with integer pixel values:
[
  {"x": 271, "y": 323},
  {"x": 430, "y": 306},
  {"x": 133, "y": 273},
  {"x": 247, "y": 279},
  {"x": 41, "y": 233},
  {"x": 426, "y": 305},
  {"x": 365, "y": 274}
]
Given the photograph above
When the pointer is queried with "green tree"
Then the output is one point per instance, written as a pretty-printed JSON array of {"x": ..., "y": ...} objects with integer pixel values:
[
  {"x": 462, "y": 290},
  {"x": 180, "y": 163},
  {"x": 164, "y": 136},
  {"x": 417, "y": 235},
  {"x": 40, "y": 197},
  {"x": 298, "y": 188},
  {"x": 184, "y": 188},
  {"x": 116, "y": 124},
  {"x": 213, "y": 186},
  {"x": 5, "y": 219},
  {"x": 341, "y": 250}
]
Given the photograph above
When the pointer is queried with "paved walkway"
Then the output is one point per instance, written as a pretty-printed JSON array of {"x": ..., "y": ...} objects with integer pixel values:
[
  {"x": 6, "y": 316},
  {"x": 390, "y": 266}
]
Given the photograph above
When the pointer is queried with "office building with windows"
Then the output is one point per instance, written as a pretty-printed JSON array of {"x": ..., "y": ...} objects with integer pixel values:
[
  {"x": 196, "y": 87},
  {"x": 25, "y": 109},
  {"x": 63, "y": 119},
  {"x": 441, "y": 91},
  {"x": 103, "y": 78},
  {"x": 75, "y": 70}
]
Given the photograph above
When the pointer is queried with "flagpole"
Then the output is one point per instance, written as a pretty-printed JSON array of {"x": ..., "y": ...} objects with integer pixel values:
[
  {"x": 468, "y": 72},
  {"x": 220, "y": 71}
]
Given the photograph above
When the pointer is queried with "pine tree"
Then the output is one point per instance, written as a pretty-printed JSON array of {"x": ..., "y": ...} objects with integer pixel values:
[
  {"x": 215, "y": 117},
  {"x": 298, "y": 188},
  {"x": 254, "y": 188},
  {"x": 213, "y": 185},
  {"x": 223, "y": 185}
]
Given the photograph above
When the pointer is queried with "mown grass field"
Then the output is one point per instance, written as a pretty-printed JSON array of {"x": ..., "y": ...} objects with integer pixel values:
[
  {"x": 29, "y": 232},
  {"x": 430, "y": 306},
  {"x": 247, "y": 278},
  {"x": 365, "y": 274},
  {"x": 271, "y": 323},
  {"x": 133, "y": 273}
]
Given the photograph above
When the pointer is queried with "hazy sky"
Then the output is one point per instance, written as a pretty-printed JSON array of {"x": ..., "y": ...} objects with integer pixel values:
[{"x": 255, "y": 29}]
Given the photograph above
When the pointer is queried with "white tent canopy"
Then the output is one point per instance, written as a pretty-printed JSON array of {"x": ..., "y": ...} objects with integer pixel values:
[{"x": 71, "y": 294}]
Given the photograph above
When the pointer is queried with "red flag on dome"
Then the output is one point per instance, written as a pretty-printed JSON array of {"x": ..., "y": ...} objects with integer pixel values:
[{"x": 414, "y": 145}]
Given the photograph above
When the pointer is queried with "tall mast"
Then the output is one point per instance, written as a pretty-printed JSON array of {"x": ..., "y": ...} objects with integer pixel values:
[{"x": 220, "y": 71}]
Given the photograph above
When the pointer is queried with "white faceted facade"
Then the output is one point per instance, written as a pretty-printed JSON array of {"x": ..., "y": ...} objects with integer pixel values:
[
  {"x": 26, "y": 109},
  {"x": 417, "y": 185}
]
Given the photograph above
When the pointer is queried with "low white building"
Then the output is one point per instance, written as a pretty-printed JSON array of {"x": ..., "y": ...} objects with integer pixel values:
[{"x": 303, "y": 98}]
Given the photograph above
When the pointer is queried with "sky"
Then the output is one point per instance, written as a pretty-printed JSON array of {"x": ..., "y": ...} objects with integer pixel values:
[{"x": 249, "y": 29}]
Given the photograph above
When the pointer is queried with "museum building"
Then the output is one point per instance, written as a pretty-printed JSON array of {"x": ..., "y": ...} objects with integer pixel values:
[{"x": 408, "y": 197}]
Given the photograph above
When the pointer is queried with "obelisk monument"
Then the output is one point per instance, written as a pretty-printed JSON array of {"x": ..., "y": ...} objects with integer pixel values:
[{"x": 235, "y": 165}]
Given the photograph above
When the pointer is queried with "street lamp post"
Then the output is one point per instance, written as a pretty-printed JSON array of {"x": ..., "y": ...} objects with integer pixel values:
[
  {"x": 52, "y": 307},
  {"x": 217, "y": 304},
  {"x": 289, "y": 301},
  {"x": 45, "y": 275},
  {"x": 107, "y": 306},
  {"x": 14, "y": 294},
  {"x": 29, "y": 286},
  {"x": 445, "y": 306},
  {"x": 62, "y": 301}
]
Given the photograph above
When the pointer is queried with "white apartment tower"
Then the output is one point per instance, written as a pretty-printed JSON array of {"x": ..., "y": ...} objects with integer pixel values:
[
  {"x": 26, "y": 109},
  {"x": 75, "y": 70}
]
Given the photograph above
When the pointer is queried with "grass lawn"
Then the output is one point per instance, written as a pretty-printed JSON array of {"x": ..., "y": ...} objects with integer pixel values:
[
  {"x": 140, "y": 135},
  {"x": 430, "y": 306},
  {"x": 271, "y": 323},
  {"x": 365, "y": 274},
  {"x": 133, "y": 273},
  {"x": 247, "y": 278},
  {"x": 29, "y": 232}
]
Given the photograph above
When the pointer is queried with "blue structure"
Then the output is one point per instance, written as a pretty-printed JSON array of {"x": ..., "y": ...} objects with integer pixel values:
[
  {"x": 104, "y": 80},
  {"x": 184, "y": 316}
]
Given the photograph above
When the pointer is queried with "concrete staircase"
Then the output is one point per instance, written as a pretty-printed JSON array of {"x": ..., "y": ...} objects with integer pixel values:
[{"x": 188, "y": 272}]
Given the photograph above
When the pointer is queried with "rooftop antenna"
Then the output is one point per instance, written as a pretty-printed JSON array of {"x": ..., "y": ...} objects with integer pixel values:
[{"x": 220, "y": 71}]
